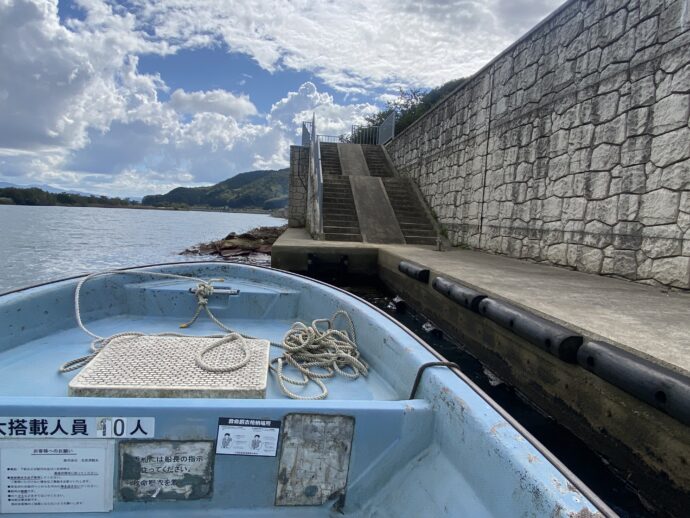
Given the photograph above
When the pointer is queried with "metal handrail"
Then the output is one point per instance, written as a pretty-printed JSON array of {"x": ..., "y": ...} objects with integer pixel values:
[
  {"x": 364, "y": 135},
  {"x": 314, "y": 180},
  {"x": 316, "y": 197},
  {"x": 334, "y": 139}
]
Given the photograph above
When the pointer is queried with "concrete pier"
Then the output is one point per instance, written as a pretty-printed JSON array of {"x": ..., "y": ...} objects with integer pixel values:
[{"x": 649, "y": 446}]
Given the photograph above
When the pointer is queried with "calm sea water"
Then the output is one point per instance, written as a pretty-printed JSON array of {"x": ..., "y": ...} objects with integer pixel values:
[{"x": 39, "y": 244}]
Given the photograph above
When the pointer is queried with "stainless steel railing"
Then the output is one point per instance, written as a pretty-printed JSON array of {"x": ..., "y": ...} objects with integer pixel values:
[
  {"x": 332, "y": 138},
  {"x": 315, "y": 183},
  {"x": 364, "y": 135}
]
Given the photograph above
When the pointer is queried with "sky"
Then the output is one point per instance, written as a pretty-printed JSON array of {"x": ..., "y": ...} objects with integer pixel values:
[{"x": 140, "y": 96}]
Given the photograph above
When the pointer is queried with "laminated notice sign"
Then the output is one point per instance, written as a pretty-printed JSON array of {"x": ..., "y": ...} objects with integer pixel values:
[
  {"x": 254, "y": 437},
  {"x": 166, "y": 470},
  {"x": 50, "y": 476}
]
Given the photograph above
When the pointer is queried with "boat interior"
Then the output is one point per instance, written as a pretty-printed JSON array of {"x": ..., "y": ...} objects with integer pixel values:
[{"x": 442, "y": 452}]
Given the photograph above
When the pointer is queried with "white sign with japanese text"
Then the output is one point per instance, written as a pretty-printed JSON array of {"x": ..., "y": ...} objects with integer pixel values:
[
  {"x": 244, "y": 436},
  {"x": 50, "y": 476},
  {"x": 77, "y": 428}
]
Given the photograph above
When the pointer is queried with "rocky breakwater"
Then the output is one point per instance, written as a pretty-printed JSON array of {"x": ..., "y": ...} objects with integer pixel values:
[{"x": 253, "y": 247}]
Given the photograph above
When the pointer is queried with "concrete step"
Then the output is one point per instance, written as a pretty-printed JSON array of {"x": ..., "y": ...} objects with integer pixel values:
[
  {"x": 341, "y": 227},
  {"x": 342, "y": 237},
  {"x": 420, "y": 233},
  {"x": 350, "y": 218},
  {"x": 337, "y": 191},
  {"x": 340, "y": 213},
  {"x": 404, "y": 200},
  {"x": 420, "y": 240},
  {"x": 376, "y": 161},
  {"x": 413, "y": 223},
  {"x": 339, "y": 206},
  {"x": 338, "y": 196},
  {"x": 347, "y": 227},
  {"x": 407, "y": 207},
  {"x": 347, "y": 220},
  {"x": 330, "y": 159},
  {"x": 333, "y": 229},
  {"x": 404, "y": 215},
  {"x": 401, "y": 192},
  {"x": 416, "y": 227},
  {"x": 338, "y": 199}
]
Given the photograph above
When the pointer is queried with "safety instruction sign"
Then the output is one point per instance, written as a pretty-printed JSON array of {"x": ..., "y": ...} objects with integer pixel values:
[
  {"x": 20, "y": 427},
  {"x": 51, "y": 476},
  {"x": 165, "y": 470},
  {"x": 247, "y": 436}
]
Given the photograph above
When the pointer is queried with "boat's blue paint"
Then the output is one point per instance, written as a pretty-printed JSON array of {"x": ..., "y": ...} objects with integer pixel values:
[{"x": 446, "y": 453}]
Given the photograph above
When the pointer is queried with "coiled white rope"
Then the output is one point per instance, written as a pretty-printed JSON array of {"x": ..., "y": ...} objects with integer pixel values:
[
  {"x": 316, "y": 353},
  {"x": 330, "y": 351}
]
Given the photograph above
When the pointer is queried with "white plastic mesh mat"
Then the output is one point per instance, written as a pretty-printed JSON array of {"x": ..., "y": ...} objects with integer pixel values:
[{"x": 164, "y": 366}]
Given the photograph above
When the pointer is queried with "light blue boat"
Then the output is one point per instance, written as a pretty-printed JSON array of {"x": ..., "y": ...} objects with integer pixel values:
[{"x": 93, "y": 441}]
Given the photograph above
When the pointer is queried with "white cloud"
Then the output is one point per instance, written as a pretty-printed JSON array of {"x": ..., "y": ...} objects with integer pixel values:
[
  {"x": 355, "y": 45},
  {"x": 214, "y": 101},
  {"x": 155, "y": 145},
  {"x": 333, "y": 118}
]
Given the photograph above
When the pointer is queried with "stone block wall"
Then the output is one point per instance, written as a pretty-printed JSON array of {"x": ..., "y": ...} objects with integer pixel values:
[
  {"x": 297, "y": 186},
  {"x": 572, "y": 146}
]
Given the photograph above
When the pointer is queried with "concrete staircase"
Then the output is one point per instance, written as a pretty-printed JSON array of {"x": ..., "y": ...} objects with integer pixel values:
[
  {"x": 376, "y": 160},
  {"x": 330, "y": 159},
  {"x": 340, "y": 221},
  {"x": 412, "y": 218}
]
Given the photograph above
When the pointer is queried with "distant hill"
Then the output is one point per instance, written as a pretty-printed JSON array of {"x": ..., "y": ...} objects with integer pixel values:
[
  {"x": 36, "y": 196},
  {"x": 265, "y": 190},
  {"x": 43, "y": 187}
]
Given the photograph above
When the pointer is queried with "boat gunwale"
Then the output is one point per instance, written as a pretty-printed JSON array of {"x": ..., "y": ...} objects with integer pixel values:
[{"x": 583, "y": 488}]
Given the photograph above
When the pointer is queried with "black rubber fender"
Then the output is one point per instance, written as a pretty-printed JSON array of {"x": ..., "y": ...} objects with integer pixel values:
[
  {"x": 654, "y": 384},
  {"x": 415, "y": 271},
  {"x": 553, "y": 338},
  {"x": 458, "y": 293}
]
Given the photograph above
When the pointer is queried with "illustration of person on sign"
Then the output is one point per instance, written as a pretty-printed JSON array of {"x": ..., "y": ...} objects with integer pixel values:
[
  {"x": 256, "y": 442},
  {"x": 227, "y": 441}
]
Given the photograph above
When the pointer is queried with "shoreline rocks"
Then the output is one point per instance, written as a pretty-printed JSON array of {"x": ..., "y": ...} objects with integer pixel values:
[{"x": 253, "y": 246}]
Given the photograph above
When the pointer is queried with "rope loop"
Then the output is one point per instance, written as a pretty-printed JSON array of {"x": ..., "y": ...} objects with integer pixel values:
[{"x": 232, "y": 337}]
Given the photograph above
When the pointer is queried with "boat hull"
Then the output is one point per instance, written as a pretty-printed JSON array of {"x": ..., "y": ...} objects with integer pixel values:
[{"x": 366, "y": 450}]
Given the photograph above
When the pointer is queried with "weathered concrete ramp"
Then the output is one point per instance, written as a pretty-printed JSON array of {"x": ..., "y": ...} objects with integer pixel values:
[
  {"x": 352, "y": 161},
  {"x": 377, "y": 220}
]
